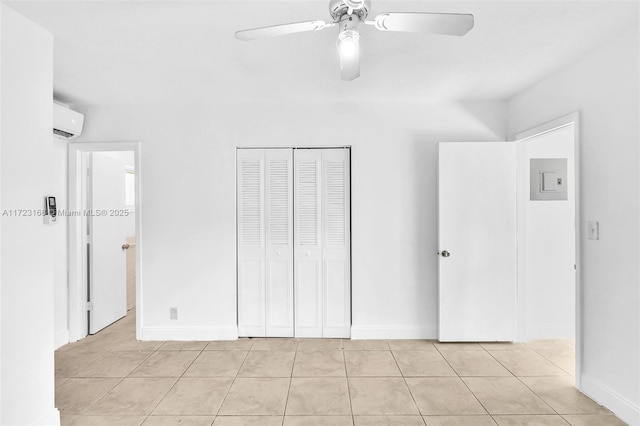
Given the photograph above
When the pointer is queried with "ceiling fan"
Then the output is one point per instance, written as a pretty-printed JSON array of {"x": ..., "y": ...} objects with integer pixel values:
[{"x": 349, "y": 14}]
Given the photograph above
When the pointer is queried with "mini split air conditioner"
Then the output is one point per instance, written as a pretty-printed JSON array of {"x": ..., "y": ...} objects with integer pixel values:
[{"x": 67, "y": 124}]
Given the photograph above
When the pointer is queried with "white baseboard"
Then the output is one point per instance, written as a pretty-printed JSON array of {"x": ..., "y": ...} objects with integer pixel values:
[
  {"x": 244, "y": 331},
  {"x": 190, "y": 333},
  {"x": 393, "y": 332},
  {"x": 61, "y": 338},
  {"x": 604, "y": 395},
  {"x": 52, "y": 418},
  {"x": 536, "y": 332}
]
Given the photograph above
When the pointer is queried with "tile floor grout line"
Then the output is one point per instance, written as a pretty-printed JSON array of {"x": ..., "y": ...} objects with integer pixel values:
[
  {"x": 525, "y": 385},
  {"x": 346, "y": 376},
  {"x": 102, "y": 397},
  {"x": 407, "y": 385},
  {"x": 234, "y": 379},
  {"x": 502, "y": 364},
  {"x": 540, "y": 355},
  {"x": 538, "y": 396},
  {"x": 465, "y": 383},
  {"x": 572, "y": 374},
  {"x": 112, "y": 377},
  {"x": 293, "y": 365},
  {"x": 571, "y": 424},
  {"x": 177, "y": 380}
]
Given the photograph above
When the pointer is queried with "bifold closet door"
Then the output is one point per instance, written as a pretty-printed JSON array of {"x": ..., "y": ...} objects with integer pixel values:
[
  {"x": 336, "y": 249},
  {"x": 265, "y": 243},
  {"x": 279, "y": 242},
  {"x": 322, "y": 243},
  {"x": 308, "y": 244}
]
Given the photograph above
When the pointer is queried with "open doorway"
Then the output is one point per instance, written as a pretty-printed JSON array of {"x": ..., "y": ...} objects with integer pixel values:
[
  {"x": 108, "y": 194},
  {"x": 508, "y": 247},
  {"x": 548, "y": 242},
  {"x": 104, "y": 238}
]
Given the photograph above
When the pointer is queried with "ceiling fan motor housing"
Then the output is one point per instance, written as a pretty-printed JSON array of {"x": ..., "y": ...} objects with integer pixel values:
[
  {"x": 339, "y": 8},
  {"x": 349, "y": 24}
]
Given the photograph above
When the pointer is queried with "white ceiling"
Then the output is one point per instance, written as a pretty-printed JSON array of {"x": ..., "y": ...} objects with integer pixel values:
[{"x": 138, "y": 52}]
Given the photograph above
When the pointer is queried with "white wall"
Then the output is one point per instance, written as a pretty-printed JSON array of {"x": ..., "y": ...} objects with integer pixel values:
[
  {"x": 60, "y": 254},
  {"x": 604, "y": 87},
  {"x": 1, "y": 208},
  {"x": 546, "y": 245},
  {"x": 128, "y": 159},
  {"x": 188, "y": 203},
  {"x": 27, "y": 244}
]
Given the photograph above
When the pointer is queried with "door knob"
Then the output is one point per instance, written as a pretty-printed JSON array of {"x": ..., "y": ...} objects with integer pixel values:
[
  {"x": 125, "y": 246},
  {"x": 445, "y": 253}
]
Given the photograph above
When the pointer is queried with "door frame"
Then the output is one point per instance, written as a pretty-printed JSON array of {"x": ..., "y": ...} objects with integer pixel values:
[
  {"x": 77, "y": 224},
  {"x": 567, "y": 120}
]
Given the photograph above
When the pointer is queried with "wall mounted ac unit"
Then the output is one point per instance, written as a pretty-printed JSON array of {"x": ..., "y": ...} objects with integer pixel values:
[{"x": 67, "y": 123}]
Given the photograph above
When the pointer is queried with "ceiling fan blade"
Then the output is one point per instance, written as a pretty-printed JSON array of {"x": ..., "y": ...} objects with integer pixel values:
[
  {"x": 278, "y": 30},
  {"x": 350, "y": 64},
  {"x": 455, "y": 24}
]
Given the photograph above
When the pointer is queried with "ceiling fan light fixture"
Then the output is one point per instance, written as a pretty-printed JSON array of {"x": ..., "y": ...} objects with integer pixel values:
[
  {"x": 348, "y": 42},
  {"x": 349, "y": 14}
]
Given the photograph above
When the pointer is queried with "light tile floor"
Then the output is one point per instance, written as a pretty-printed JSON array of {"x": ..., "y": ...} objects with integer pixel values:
[{"x": 112, "y": 379}]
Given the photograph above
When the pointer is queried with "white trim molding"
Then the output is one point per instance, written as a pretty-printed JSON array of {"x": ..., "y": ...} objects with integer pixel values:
[
  {"x": 61, "y": 338},
  {"x": 190, "y": 333},
  {"x": 604, "y": 395},
  {"x": 393, "y": 332},
  {"x": 51, "y": 418},
  {"x": 573, "y": 118},
  {"x": 77, "y": 264},
  {"x": 549, "y": 331}
]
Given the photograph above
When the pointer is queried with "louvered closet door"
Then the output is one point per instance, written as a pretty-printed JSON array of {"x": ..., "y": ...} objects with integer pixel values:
[
  {"x": 279, "y": 239},
  {"x": 322, "y": 243},
  {"x": 308, "y": 243},
  {"x": 251, "y": 242},
  {"x": 336, "y": 271}
]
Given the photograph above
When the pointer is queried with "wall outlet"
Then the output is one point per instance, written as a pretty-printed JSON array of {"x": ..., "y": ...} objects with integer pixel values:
[{"x": 173, "y": 313}]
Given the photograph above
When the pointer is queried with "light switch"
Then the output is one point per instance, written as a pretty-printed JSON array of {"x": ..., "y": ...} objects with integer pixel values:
[{"x": 593, "y": 230}]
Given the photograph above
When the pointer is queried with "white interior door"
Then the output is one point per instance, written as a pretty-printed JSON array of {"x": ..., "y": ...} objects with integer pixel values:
[
  {"x": 477, "y": 241},
  {"x": 108, "y": 231}
]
